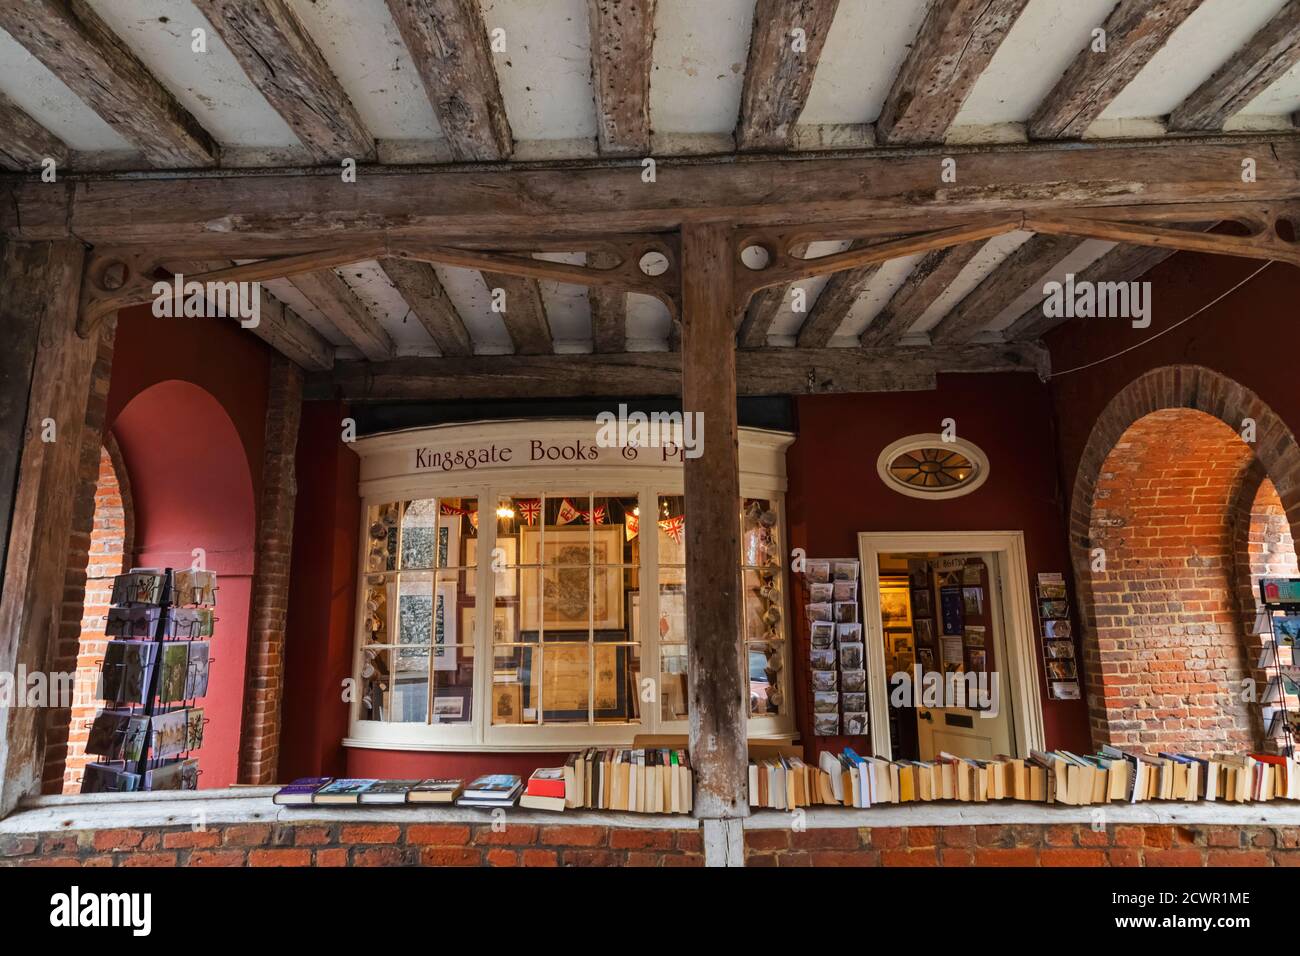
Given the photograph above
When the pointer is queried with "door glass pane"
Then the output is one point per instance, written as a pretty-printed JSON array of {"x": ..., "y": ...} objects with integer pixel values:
[
  {"x": 410, "y": 685},
  {"x": 382, "y": 534},
  {"x": 565, "y": 682},
  {"x": 419, "y": 532},
  {"x": 672, "y": 681},
  {"x": 512, "y": 694}
]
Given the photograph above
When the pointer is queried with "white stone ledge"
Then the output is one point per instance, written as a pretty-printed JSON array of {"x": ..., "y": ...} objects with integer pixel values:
[{"x": 253, "y": 805}]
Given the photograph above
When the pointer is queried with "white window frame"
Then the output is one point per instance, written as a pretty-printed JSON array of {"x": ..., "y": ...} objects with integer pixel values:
[{"x": 762, "y": 475}]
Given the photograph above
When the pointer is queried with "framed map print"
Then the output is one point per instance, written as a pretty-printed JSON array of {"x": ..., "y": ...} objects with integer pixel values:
[{"x": 562, "y": 599}]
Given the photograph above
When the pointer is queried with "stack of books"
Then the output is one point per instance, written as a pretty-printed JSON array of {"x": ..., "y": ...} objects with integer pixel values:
[
  {"x": 546, "y": 790},
  {"x": 492, "y": 790},
  {"x": 641, "y": 780}
]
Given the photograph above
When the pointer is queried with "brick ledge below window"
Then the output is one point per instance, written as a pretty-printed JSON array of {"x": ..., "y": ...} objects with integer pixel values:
[{"x": 253, "y": 805}]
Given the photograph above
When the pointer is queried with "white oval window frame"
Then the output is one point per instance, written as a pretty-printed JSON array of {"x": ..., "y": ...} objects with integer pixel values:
[{"x": 915, "y": 442}]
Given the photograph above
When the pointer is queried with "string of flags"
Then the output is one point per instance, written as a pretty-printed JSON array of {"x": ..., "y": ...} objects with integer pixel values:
[{"x": 530, "y": 511}]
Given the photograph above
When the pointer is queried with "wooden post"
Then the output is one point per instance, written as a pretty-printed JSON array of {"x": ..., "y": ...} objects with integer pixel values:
[
  {"x": 41, "y": 282},
  {"x": 716, "y": 680}
]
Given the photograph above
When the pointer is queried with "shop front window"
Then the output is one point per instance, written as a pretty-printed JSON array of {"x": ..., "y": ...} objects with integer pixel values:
[{"x": 561, "y": 608}]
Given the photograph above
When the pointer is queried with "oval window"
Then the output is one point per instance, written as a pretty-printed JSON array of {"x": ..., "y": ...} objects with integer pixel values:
[{"x": 926, "y": 466}]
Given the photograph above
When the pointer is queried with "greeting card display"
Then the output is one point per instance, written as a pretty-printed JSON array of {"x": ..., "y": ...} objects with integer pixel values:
[
  {"x": 1059, "y": 661},
  {"x": 155, "y": 667},
  {"x": 836, "y": 649}
]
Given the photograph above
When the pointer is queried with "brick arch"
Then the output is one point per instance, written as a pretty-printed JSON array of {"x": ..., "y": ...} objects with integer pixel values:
[
  {"x": 109, "y": 550},
  {"x": 1277, "y": 456},
  {"x": 1262, "y": 546}
]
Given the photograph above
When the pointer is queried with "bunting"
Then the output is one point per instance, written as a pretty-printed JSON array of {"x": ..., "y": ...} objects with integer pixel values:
[
  {"x": 631, "y": 525},
  {"x": 530, "y": 509},
  {"x": 675, "y": 528}
]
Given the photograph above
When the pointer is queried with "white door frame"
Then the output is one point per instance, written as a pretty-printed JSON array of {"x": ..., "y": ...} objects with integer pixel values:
[{"x": 1021, "y": 672}]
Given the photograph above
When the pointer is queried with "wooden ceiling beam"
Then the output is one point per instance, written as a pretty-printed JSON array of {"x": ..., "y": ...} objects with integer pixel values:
[
  {"x": 79, "y": 48},
  {"x": 608, "y": 308},
  {"x": 833, "y": 306},
  {"x": 956, "y": 41},
  {"x": 449, "y": 43},
  {"x": 419, "y": 287},
  {"x": 1124, "y": 263},
  {"x": 780, "y": 69},
  {"x": 762, "y": 310},
  {"x": 25, "y": 143},
  {"x": 622, "y": 42},
  {"x": 280, "y": 58},
  {"x": 1134, "y": 32},
  {"x": 524, "y": 313},
  {"x": 1247, "y": 73},
  {"x": 881, "y": 192},
  {"x": 1027, "y": 264},
  {"x": 340, "y": 305},
  {"x": 279, "y": 326},
  {"x": 769, "y": 371},
  {"x": 931, "y": 275}
]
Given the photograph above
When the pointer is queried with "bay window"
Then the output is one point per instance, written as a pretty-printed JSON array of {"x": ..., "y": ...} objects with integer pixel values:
[{"x": 579, "y": 638}]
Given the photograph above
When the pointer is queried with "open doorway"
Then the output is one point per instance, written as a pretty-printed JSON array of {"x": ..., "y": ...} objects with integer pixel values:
[{"x": 950, "y": 663}]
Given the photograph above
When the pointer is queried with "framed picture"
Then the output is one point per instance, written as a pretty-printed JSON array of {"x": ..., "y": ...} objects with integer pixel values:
[
  {"x": 448, "y": 708},
  {"x": 564, "y": 682},
  {"x": 566, "y": 597},
  {"x": 505, "y": 624},
  {"x": 921, "y": 605},
  {"x": 672, "y": 616},
  {"x": 895, "y": 606},
  {"x": 507, "y": 703},
  {"x": 506, "y": 581}
]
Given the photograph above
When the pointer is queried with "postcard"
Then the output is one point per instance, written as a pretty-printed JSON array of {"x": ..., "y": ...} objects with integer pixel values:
[
  {"x": 848, "y": 633},
  {"x": 823, "y": 660},
  {"x": 825, "y": 680},
  {"x": 854, "y": 702},
  {"x": 818, "y": 572},
  {"x": 855, "y": 724},
  {"x": 846, "y": 612},
  {"x": 851, "y": 657},
  {"x": 821, "y": 593},
  {"x": 826, "y": 725},
  {"x": 1058, "y": 629},
  {"x": 855, "y": 681},
  {"x": 819, "y": 612},
  {"x": 826, "y": 702}
]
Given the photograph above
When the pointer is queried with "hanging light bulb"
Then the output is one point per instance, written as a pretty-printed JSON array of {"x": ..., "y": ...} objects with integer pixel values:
[{"x": 503, "y": 512}]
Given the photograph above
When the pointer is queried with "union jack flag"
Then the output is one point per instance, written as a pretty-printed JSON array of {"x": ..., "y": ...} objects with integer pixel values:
[{"x": 530, "y": 509}]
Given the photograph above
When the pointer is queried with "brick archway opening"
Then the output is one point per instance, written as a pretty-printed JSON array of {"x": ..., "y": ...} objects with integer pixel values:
[
  {"x": 1174, "y": 517},
  {"x": 109, "y": 553}
]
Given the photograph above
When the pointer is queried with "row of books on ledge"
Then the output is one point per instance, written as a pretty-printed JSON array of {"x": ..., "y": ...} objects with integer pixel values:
[
  {"x": 783, "y": 781},
  {"x": 644, "y": 780}
]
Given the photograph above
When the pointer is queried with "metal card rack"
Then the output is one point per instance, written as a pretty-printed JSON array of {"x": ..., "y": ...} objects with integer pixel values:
[
  {"x": 1279, "y": 596},
  {"x": 151, "y": 589}
]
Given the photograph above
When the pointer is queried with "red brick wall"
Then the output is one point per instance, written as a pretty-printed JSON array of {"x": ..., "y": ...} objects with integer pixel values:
[
  {"x": 259, "y": 742},
  {"x": 464, "y": 844},
  {"x": 109, "y": 545},
  {"x": 1169, "y": 654}
]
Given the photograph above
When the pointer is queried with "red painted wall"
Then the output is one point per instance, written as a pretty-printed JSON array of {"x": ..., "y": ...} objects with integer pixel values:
[
  {"x": 322, "y": 597},
  {"x": 835, "y": 492},
  {"x": 1250, "y": 336},
  {"x": 187, "y": 404}
]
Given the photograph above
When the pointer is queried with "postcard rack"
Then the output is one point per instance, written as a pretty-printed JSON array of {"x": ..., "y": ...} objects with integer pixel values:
[
  {"x": 1280, "y": 599},
  {"x": 156, "y": 666}
]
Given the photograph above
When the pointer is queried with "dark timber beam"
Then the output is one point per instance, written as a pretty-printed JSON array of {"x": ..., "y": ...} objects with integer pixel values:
[
  {"x": 78, "y": 47},
  {"x": 1122, "y": 264},
  {"x": 524, "y": 313},
  {"x": 1026, "y": 265},
  {"x": 1247, "y": 73},
  {"x": 716, "y": 682},
  {"x": 279, "y": 327},
  {"x": 931, "y": 275},
  {"x": 251, "y": 214},
  {"x": 419, "y": 286},
  {"x": 283, "y": 62},
  {"x": 1135, "y": 31},
  {"x": 25, "y": 143},
  {"x": 956, "y": 41},
  {"x": 764, "y": 305},
  {"x": 768, "y": 371},
  {"x": 608, "y": 309},
  {"x": 338, "y": 303},
  {"x": 41, "y": 283},
  {"x": 449, "y": 44},
  {"x": 837, "y": 297},
  {"x": 622, "y": 41},
  {"x": 779, "y": 71}
]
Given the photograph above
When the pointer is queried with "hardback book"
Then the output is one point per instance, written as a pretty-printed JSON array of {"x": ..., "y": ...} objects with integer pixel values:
[
  {"x": 300, "y": 792},
  {"x": 534, "y": 802},
  {"x": 435, "y": 791},
  {"x": 344, "y": 791},
  {"x": 387, "y": 791},
  {"x": 492, "y": 790},
  {"x": 547, "y": 782}
]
